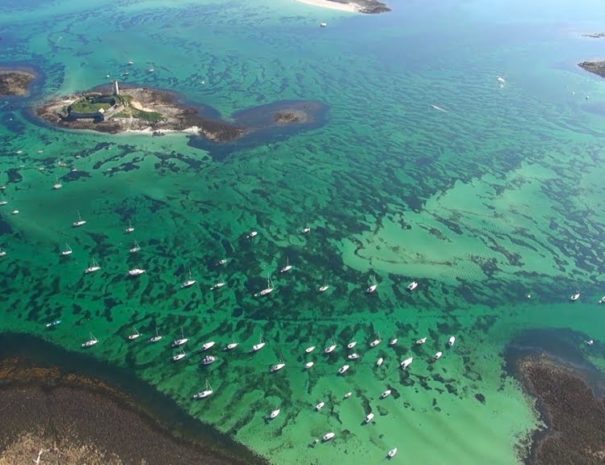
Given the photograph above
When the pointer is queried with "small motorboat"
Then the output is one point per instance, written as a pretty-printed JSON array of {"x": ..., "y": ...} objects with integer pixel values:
[
  {"x": 353, "y": 356},
  {"x": 274, "y": 414},
  {"x": 451, "y": 341},
  {"x": 328, "y": 436},
  {"x": 251, "y": 234},
  {"x": 413, "y": 285},
  {"x": 406, "y": 363},
  {"x": 379, "y": 362},
  {"x": 309, "y": 349},
  {"x": 386, "y": 394},
  {"x": 392, "y": 453},
  {"x": 258, "y": 346},
  {"x": 277, "y": 367},
  {"x": 2, "y": 253},
  {"x": 15, "y": 212},
  {"x": 369, "y": 418},
  {"x": 351, "y": 344},
  {"x": 437, "y": 356},
  {"x": 208, "y": 360},
  {"x": 421, "y": 341},
  {"x": 180, "y": 356},
  {"x": 343, "y": 369},
  {"x": 319, "y": 406},
  {"x": 575, "y": 296},
  {"x": 375, "y": 342},
  {"x": 208, "y": 345}
]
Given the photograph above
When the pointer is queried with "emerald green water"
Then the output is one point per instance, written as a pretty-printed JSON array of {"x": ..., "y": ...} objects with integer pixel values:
[{"x": 498, "y": 197}]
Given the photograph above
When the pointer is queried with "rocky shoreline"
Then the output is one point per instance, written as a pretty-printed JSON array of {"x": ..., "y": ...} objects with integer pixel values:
[
  {"x": 595, "y": 67},
  {"x": 158, "y": 112},
  {"x": 15, "y": 82},
  {"x": 67, "y": 418}
]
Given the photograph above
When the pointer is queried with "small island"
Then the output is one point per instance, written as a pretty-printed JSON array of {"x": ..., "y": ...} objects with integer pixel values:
[
  {"x": 595, "y": 67},
  {"x": 15, "y": 82},
  {"x": 116, "y": 110},
  {"x": 353, "y": 6}
]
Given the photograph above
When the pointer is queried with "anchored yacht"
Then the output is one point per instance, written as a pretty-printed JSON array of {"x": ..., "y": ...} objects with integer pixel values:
[
  {"x": 347, "y": 395},
  {"x": 371, "y": 289},
  {"x": 331, "y": 348},
  {"x": 451, "y": 341},
  {"x": 94, "y": 266},
  {"x": 2, "y": 253},
  {"x": 207, "y": 392},
  {"x": 258, "y": 346},
  {"x": 252, "y": 235},
  {"x": 343, "y": 369},
  {"x": 66, "y": 251},
  {"x": 136, "y": 272},
  {"x": 392, "y": 453},
  {"x": 323, "y": 288},
  {"x": 286, "y": 268},
  {"x": 79, "y": 222},
  {"x": 52, "y": 324},
  {"x": 309, "y": 349},
  {"x": 379, "y": 362},
  {"x": 309, "y": 365},
  {"x": 393, "y": 341},
  {"x": 57, "y": 185},
  {"x": 274, "y": 414},
  {"x": 319, "y": 406},
  {"x": 421, "y": 341},
  {"x": 188, "y": 282},
  {"x": 353, "y": 356},
  {"x": 385, "y": 394},
  {"x": 90, "y": 342},
  {"x": 129, "y": 229},
  {"x": 180, "y": 356},
  {"x": 351, "y": 344},
  {"x": 231, "y": 345},
  {"x": 135, "y": 248},
  {"x": 375, "y": 342},
  {"x": 208, "y": 345},
  {"x": 266, "y": 291},
  {"x": 406, "y": 363},
  {"x": 3, "y": 203},
  {"x": 155, "y": 338},
  {"x": 413, "y": 285},
  {"x": 277, "y": 367},
  {"x": 134, "y": 336},
  {"x": 306, "y": 230},
  {"x": 217, "y": 286},
  {"x": 181, "y": 341}
]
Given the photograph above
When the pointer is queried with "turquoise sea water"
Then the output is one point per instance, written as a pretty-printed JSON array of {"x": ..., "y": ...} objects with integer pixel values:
[{"x": 495, "y": 194}]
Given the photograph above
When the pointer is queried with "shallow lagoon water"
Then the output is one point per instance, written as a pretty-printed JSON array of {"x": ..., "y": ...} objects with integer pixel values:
[{"x": 497, "y": 197}]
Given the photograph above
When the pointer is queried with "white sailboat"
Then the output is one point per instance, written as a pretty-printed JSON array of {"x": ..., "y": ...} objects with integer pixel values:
[
  {"x": 251, "y": 234},
  {"x": 134, "y": 336},
  {"x": 331, "y": 348},
  {"x": 135, "y": 248},
  {"x": 575, "y": 296},
  {"x": 437, "y": 356},
  {"x": 412, "y": 286},
  {"x": 66, "y": 251},
  {"x": 375, "y": 342},
  {"x": 309, "y": 349},
  {"x": 393, "y": 341},
  {"x": 79, "y": 222},
  {"x": 286, "y": 268},
  {"x": 319, "y": 405},
  {"x": 392, "y": 453},
  {"x": 179, "y": 356},
  {"x": 273, "y": 415},
  {"x": 129, "y": 229},
  {"x": 343, "y": 369},
  {"x": 217, "y": 286},
  {"x": 385, "y": 394},
  {"x": 57, "y": 185},
  {"x": 2, "y": 253},
  {"x": 353, "y": 356},
  {"x": 231, "y": 346},
  {"x": 156, "y": 338},
  {"x": 92, "y": 341},
  {"x": 351, "y": 344},
  {"x": 181, "y": 341},
  {"x": 208, "y": 345},
  {"x": 266, "y": 291},
  {"x": 276, "y": 367},
  {"x": 371, "y": 289},
  {"x": 421, "y": 341},
  {"x": 188, "y": 282},
  {"x": 309, "y": 365},
  {"x": 258, "y": 346},
  {"x": 406, "y": 363},
  {"x": 136, "y": 272},
  {"x": 94, "y": 266},
  {"x": 323, "y": 288},
  {"x": 207, "y": 392}
]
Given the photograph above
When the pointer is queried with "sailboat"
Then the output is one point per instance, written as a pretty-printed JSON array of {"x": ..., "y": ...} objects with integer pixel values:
[
  {"x": 66, "y": 251},
  {"x": 57, "y": 185},
  {"x": 207, "y": 392},
  {"x": 136, "y": 272},
  {"x": 274, "y": 414},
  {"x": 406, "y": 363},
  {"x": 309, "y": 364},
  {"x": 343, "y": 369},
  {"x": 372, "y": 287},
  {"x": 323, "y": 288},
  {"x": 135, "y": 248},
  {"x": 52, "y": 324},
  {"x": 217, "y": 286},
  {"x": 79, "y": 222},
  {"x": 351, "y": 344},
  {"x": 306, "y": 230},
  {"x": 208, "y": 345},
  {"x": 156, "y": 338},
  {"x": 258, "y": 346},
  {"x": 223, "y": 261},
  {"x": 375, "y": 342},
  {"x": 231, "y": 346},
  {"x": 179, "y": 356},
  {"x": 3, "y": 203},
  {"x": 421, "y": 341},
  {"x": 309, "y": 349},
  {"x": 392, "y": 453},
  {"x": 181, "y": 341},
  {"x": 266, "y": 291},
  {"x": 413, "y": 285},
  {"x": 129, "y": 229},
  {"x": 188, "y": 282},
  {"x": 252, "y": 234},
  {"x": 134, "y": 336},
  {"x": 575, "y": 296},
  {"x": 2, "y": 253},
  {"x": 276, "y": 367},
  {"x": 369, "y": 417},
  {"x": 331, "y": 348},
  {"x": 286, "y": 268},
  {"x": 90, "y": 342},
  {"x": 94, "y": 266}
]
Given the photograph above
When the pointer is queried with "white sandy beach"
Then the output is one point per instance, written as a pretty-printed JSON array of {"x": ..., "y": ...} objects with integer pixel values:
[{"x": 350, "y": 7}]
